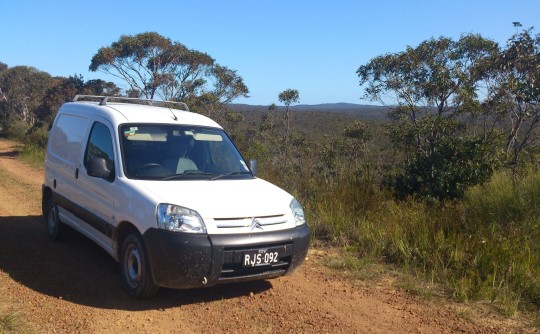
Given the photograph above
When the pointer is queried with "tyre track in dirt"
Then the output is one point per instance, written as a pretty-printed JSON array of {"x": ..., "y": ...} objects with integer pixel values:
[{"x": 74, "y": 287}]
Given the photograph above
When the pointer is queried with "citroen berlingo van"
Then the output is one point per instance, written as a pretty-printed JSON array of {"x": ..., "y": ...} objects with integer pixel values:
[{"x": 168, "y": 195}]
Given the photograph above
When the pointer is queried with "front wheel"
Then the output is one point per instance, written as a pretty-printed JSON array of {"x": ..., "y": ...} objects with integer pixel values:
[{"x": 135, "y": 267}]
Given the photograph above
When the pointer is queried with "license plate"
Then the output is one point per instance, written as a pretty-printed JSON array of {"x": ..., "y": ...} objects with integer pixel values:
[{"x": 260, "y": 257}]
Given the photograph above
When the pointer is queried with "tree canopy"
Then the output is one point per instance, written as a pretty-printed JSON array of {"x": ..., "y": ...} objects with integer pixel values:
[
  {"x": 22, "y": 89},
  {"x": 154, "y": 66},
  {"x": 427, "y": 88},
  {"x": 514, "y": 93},
  {"x": 436, "y": 90},
  {"x": 30, "y": 98},
  {"x": 62, "y": 89},
  {"x": 439, "y": 73},
  {"x": 288, "y": 97}
]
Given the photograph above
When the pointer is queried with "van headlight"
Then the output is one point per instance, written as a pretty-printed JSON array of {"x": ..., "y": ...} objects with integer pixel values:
[
  {"x": 297, "y": 212},
  {"x": 179, "y": 219}
]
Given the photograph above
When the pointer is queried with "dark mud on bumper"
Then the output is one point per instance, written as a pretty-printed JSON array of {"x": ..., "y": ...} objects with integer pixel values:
[{"x": 192, "y": 261}]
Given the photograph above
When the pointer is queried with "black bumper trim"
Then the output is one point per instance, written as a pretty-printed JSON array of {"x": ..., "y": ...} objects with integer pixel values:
[{"x": 188, "y": 260}]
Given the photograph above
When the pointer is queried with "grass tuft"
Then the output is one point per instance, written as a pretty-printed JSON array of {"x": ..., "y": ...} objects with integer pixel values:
[
  {"x": 10, "y": 322},
  {"x": 33, "y": 155},
  {"x": 486, "y": 247}
]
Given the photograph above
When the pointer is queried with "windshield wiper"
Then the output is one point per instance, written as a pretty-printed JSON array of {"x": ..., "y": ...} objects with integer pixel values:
[
  {"x": 228, "y": 174},
  {"x": 185, "y": 174}
]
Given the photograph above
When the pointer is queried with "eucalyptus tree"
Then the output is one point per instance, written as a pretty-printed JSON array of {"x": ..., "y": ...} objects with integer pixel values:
[
  {"x": 267, "y": 119},
  {"x": 514, "y": 94},
  {"x": 436, "y": 79},
  {"x": 288, "y": 97},
  {"x": 22, "y": 89},
  {"x": 154, "y": 66},
  {"x": 426, "y": 88},
  {"x": 3, "y": 97},
  {"x": 62, "y": 89}
]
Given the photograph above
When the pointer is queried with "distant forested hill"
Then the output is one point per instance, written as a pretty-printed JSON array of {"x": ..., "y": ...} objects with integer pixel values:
[
  {"x": 320, "y": 120},
  {"x": 356, "y": 110}
]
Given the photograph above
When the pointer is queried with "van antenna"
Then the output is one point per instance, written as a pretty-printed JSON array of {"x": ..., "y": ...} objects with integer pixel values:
[{"x": 172, "y": 113}]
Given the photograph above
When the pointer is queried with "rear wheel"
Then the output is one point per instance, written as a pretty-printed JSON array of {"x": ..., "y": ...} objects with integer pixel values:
[
  {"x": 135, "y": 267},
  {"x": 55, "y": 229}
]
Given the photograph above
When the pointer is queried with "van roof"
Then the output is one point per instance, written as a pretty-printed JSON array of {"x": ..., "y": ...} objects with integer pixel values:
[{"x": 120, "y": 113}]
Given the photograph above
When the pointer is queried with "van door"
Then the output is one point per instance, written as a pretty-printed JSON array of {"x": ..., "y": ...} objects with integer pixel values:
[
  {"x": 64, "y": 153},
  {"x": 97, "y": 195}
]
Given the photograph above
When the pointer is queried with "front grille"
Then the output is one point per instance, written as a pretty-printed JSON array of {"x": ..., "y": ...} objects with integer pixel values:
[
  {"x": 232, "y": 263},
  {"x": 248, "y": 221}
]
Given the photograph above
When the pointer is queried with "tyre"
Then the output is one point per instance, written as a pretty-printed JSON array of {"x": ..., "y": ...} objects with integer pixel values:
[
  {"x": 135, "y": 268},
  {"x": 55, "y": 229}
]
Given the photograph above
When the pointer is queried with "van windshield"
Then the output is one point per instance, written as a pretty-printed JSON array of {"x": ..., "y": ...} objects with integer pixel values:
[{"x": 178, "y": 152}]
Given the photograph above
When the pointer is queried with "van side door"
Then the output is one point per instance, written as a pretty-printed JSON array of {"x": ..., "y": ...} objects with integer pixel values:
[
  {"x": 99, "y": 194},
  {"x": 64, "y": 153}
]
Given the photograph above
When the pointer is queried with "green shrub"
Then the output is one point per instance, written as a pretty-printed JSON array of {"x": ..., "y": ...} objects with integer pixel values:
[
  {"x": 37, "y": 137},
  {"x": 16, "y": 129},
  {"x": 447, "y": 169}
]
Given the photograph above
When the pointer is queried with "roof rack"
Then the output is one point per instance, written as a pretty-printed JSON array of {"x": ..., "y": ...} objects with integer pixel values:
[{"x": 103, "y": 100}]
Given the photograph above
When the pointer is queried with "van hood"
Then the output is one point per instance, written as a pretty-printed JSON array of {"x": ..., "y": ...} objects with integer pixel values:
[{"x": 222, "y": 198}]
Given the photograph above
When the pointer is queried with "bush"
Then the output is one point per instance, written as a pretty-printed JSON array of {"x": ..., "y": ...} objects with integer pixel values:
[
  {"x": 37, "y": 137},
  {"x": 16, "y": 129},
  {"x": 453, "y": 165}
]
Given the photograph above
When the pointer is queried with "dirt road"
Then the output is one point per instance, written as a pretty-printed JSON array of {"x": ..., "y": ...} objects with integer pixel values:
[{"x": 74, "y": 287}]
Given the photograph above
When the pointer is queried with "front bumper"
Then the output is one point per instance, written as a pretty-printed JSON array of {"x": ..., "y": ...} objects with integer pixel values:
[{"x": 190, "y": 261}]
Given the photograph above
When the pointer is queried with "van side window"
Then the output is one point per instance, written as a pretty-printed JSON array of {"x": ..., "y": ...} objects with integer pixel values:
[
  {"x": 100, "y": 145},
  {"x": 67, "y": 138}
]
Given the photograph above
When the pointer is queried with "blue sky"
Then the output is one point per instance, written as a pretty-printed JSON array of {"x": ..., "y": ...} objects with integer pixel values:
[{"x": 312, "y": 46}]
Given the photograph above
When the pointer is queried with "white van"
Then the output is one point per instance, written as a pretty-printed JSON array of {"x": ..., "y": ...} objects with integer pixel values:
[{"x": 167, "y": 194}]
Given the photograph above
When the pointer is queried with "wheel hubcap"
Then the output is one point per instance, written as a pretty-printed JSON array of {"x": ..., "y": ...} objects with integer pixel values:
[{"x": 133, "y": 266}]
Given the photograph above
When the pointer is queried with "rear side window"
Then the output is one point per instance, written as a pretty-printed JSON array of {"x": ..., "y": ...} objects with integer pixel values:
[
  {"x": 100, "y": 145},
  {"x": 67, "y": 137}
]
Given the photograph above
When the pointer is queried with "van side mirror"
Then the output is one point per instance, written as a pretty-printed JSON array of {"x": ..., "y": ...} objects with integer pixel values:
[
  {"x": 253, "y": 166},
  {"x": 97, "y": 167}
]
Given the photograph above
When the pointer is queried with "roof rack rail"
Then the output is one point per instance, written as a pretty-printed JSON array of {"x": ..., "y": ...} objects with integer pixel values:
[{"x": 103, "y": 100}]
